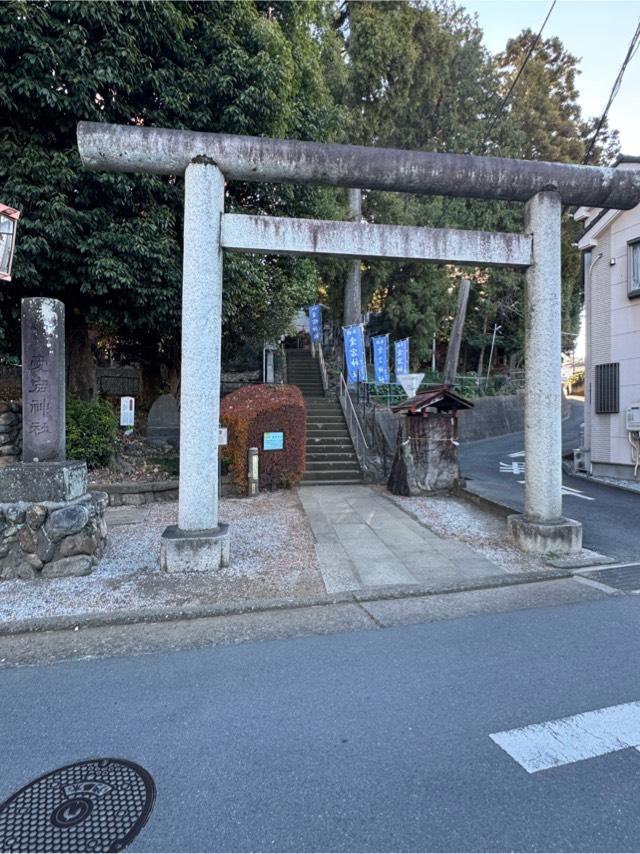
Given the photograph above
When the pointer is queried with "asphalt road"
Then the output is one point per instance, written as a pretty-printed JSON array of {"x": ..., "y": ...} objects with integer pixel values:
[
  {"x": 363, "y": 741},
  {"x": 610, "y": 516}
]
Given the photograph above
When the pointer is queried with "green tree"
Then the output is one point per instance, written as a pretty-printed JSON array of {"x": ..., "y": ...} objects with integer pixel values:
[
  {"x": 109, "y": 245},
  {"x": 420, "y": 77}
]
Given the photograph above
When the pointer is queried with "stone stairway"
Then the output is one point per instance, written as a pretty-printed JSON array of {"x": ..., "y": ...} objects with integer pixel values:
[{"x": 330, "y": 454}]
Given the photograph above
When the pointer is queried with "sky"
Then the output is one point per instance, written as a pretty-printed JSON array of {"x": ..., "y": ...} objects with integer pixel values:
[{"x": 598, "y": 32}]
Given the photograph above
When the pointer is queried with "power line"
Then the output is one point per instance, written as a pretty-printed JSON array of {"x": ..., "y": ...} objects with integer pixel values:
[
  {"x": 505, "y": 100},
  {"x": 631, "y": 52}
]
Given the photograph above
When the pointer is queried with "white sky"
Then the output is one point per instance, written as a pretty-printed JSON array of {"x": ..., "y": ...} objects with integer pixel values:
[{"x": 598, "y": 32}]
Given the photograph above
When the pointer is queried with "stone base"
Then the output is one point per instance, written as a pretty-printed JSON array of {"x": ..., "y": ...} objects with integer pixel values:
[
  {"x": 194, "y": 551},
  {"x": 58, "y": 481},
  {"x": 50, "y": 539},
  {"x": 546, "y": 538}
]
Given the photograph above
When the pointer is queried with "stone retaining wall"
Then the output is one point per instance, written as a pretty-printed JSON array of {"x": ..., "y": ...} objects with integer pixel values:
[
  {"x": 10, "y": 432},
  {"x": 135, "y": 494},
  {"x": 51, "y": 539}
]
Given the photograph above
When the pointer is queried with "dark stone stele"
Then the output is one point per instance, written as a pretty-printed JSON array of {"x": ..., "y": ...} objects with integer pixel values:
[
  {"x": 163, "y": 423},
  {"x": 43, "y": 380}
]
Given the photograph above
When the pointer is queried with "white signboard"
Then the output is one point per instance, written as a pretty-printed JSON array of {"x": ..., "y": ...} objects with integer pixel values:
[
  {"x": 222, "y": 435},
  {"x": 127, "y": 411},
  {"x": 410, "y": 383}
]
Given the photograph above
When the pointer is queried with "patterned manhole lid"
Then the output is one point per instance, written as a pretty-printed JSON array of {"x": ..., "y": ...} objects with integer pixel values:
[
  {"x": 98, "y": 805},
  {"x": 625, "y": 578}
]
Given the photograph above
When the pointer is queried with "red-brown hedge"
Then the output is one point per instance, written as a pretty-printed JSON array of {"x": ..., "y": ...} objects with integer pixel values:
[{"x": 256, "y": 409}]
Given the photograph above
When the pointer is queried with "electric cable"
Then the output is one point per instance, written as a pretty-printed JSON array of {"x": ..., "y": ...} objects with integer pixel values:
[
  {"x": 505, "y": 100},
  {"x": 631, "y": 52}
]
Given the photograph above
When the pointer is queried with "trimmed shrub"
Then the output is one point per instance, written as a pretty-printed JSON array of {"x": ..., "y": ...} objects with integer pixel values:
[
  {"x": 256, "y": 409},
  {"x": 91, "y": 431}
]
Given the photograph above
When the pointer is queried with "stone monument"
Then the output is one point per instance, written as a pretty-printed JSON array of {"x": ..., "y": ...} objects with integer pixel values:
[
  {"x": 163, "y": 423},
  {"x": 49, "y": 524}
]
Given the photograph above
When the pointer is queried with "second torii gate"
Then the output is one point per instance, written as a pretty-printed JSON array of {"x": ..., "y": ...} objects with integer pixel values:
[{"x": 199, "y": 541}]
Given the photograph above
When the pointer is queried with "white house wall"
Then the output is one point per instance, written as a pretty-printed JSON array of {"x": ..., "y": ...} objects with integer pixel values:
[{"x": 614, "y": 337}]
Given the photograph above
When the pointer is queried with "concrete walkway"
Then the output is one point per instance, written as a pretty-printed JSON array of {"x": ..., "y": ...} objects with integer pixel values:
[{"x": 363, "y": 539}]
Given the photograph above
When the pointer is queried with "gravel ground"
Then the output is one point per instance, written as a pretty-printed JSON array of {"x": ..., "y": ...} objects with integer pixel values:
[
  {"x": 480, "y": 530},
  {"x": 272, "y": 556}
]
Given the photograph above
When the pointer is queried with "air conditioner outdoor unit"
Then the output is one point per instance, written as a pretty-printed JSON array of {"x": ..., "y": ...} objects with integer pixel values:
[
  {"x": 580, "y": 460},
  {"x": 632, "y": 418}
]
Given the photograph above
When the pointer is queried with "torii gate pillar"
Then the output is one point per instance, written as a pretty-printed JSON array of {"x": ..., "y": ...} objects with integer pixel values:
[
  {"x": 542, "y": 528},
  {"x": 199, "y": 542}
]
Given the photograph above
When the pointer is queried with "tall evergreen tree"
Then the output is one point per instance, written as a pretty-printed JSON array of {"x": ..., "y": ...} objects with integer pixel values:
[{"x": 109, "y": 245}]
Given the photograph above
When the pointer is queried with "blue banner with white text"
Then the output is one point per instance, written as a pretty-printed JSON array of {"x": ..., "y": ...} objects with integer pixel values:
[
  {"x": 315, "y": 323},
  {"x": 354, "y": 353},
  {"x": 381, "y": 358},
  {"x": 402, "y": 357}
]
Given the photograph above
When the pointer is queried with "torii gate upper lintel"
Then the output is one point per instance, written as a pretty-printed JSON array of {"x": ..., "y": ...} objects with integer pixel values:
[{"x": 199, "y": 542}]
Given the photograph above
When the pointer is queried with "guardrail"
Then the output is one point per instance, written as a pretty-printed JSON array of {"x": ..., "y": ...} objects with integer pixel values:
[{"x": 353, "y": 424}]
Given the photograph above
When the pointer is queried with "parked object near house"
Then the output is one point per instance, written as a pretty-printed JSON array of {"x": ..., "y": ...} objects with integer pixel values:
[
  {"x": 610, "y": 246},
  {"x": 426, "y": 457},
  {"x": 163, "y": 422}
]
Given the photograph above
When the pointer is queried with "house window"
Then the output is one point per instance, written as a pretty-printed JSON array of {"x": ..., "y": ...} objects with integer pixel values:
[
  {"x": 633, "y": 284},
  {"x": 608, "y": 388}
]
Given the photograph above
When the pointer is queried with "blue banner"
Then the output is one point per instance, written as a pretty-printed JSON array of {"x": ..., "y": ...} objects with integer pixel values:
[
  {"x": 354, "y": 353},
  {"x": 315, "y": 323},
  {"x": 402, "y": 357},
  {"x": 381, "y": 358}
]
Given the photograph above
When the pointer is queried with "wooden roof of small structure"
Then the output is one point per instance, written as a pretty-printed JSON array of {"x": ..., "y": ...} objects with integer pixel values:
[{"x": 442, "y": 399}]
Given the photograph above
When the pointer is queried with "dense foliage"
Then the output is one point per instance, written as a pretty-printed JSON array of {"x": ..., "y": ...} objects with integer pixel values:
[
  {"x": 91, "y": 431},
  {"x": 110, "y": 245},
  {"x": 418, "y": 76},
  {"x": 406, "y": 74},
  {"x": 250, "y": 412}
]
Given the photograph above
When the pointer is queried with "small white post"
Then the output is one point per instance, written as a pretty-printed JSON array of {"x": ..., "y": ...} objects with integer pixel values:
[
  {"x": 543, "y": 528},
  {"x": 199, "y": 542}
]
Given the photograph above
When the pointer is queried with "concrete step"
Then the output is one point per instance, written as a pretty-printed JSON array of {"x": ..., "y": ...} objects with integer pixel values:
[
  {"x": 331, "y": 453},
  {"x": 329, "y": 434},
  {"x": 336, "y": 465},
  {"x": 319, "y": 409},
  {"x": 321, "y": 439},
  {"x": 330, "y": 420},
  {"x": 334, "y": 476}
]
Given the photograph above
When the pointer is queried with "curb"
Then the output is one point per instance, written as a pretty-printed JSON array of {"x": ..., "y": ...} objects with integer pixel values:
[
  {"x": 502, "y": 510},
  {"x": 196, "y": 612},
  {"x": 597, "y": 480}
]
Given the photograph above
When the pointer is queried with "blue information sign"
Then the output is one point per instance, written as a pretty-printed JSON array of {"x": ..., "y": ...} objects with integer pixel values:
[
  {"x": 381, "y": 358},
  {"x": 402, "y": 357},
  {"x": 273, "y": 441},
  {"x": 354, "y": 353},
  {"x": 315, "y": 323}
]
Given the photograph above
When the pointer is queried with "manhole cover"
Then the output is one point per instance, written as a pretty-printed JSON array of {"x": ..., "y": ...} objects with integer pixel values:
[
  {"x": 99, "y": 805},
  {"x": 625, "y": 578}
]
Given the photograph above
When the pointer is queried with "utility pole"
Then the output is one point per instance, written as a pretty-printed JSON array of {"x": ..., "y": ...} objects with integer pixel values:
[
  {"x": 496, "y": 329},
  {"x": 453, "y": 350},
  {"x": 352, "y": 286}
]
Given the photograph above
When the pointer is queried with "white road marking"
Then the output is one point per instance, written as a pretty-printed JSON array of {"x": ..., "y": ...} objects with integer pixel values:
[
  {"x": 567, "y": 490},
  {"x": 566, "y": 740},
  {"x": 517, "y": 454},
  {"x": 574, "y": 493},
  {"x": 512, "y": 468}
]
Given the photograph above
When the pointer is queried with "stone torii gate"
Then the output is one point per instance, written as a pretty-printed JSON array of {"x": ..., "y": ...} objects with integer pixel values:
[{"x": 200, "y": 542}]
